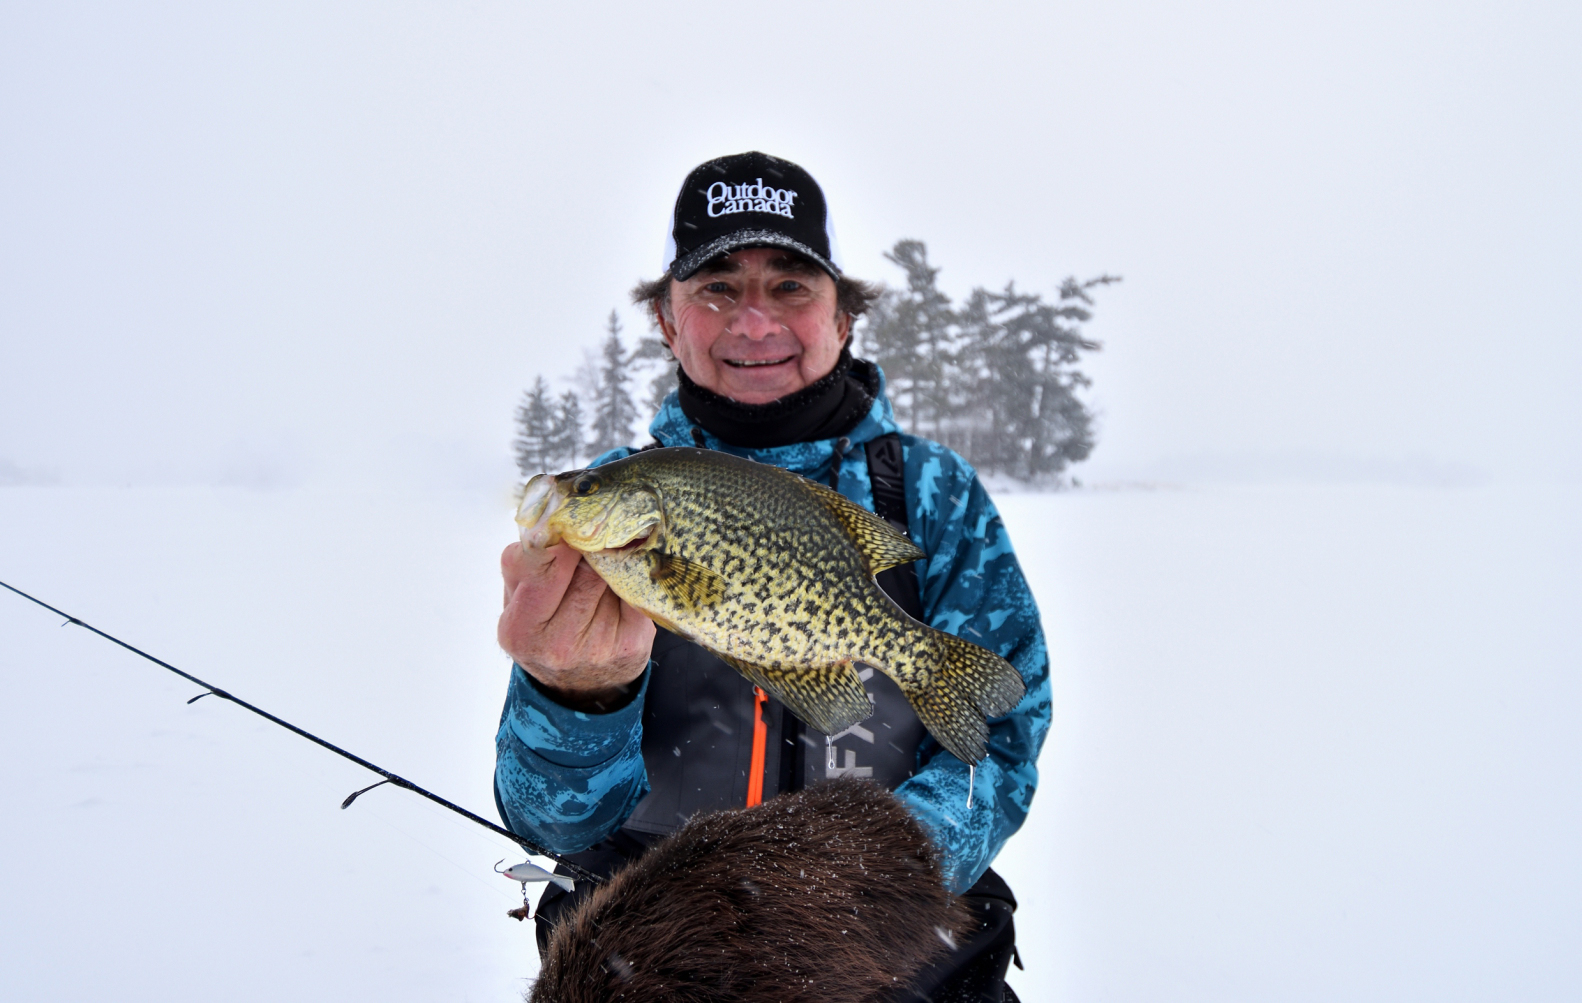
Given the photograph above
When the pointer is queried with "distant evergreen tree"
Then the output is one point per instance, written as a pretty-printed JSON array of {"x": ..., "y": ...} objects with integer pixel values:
[
  {"x": 910, "y": 334},
  {"x": 651, "y": 350},
  {"x": 535, "y": 445},
  {"x": 613, "y": 410},
  {"x": 567, "y": 431},
  {"x": 1061, "y": 426},
  {"x": 994, "y": 378},
  {"x": 1017, "y": 359}
]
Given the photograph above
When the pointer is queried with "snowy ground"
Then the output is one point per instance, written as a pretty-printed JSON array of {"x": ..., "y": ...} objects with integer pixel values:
[{"x": 1311, "y": 743}]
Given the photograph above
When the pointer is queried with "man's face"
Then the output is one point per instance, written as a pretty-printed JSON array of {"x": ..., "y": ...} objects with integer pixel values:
[{"x": 756, "y": 325}]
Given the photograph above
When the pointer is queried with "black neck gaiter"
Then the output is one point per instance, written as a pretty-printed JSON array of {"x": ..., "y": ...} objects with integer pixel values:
[{"x": 831, "y": 407}]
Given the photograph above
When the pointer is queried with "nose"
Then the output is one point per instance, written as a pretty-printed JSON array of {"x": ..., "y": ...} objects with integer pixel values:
[{"x": 754, "y": 318}]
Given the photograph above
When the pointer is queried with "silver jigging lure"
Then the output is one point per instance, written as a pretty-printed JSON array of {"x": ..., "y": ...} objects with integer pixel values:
[{"x": 528, "y": 871}]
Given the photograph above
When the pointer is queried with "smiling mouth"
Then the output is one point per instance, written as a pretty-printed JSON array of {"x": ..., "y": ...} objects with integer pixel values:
[{"x": 756, "y": 363}]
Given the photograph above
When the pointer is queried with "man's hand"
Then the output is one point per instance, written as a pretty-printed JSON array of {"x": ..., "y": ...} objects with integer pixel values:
[{"x": 567, "y": 630}]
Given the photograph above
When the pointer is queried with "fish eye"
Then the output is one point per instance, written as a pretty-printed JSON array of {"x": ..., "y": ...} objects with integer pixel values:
[{"x": 586, "y": 485}]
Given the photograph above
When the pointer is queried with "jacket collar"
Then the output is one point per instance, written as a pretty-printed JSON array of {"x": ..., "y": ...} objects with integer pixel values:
[
  {"x": 671, "y": 427},
  {"x": 826, "y": 409}
]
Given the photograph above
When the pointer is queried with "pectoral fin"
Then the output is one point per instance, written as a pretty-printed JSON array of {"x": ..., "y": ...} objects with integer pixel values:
[
  {"x": 689, "y": 584},
  {"x": 830, "y": 698},
  {"x": 881, "y": 544}
]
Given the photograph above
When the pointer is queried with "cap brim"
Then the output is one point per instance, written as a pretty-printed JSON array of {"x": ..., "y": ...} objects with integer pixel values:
[{"x": 687, "y": 265}]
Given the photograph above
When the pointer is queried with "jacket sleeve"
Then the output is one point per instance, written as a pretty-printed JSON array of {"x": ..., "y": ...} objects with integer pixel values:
[
  {"x": 972, "y": 586},
  {"x": 564, "y": 777}
]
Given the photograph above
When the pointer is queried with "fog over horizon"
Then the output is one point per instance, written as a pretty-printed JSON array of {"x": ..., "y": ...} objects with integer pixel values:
[
  {"x": 334, "y": 243},
  {"x": 283, "y": 273}
]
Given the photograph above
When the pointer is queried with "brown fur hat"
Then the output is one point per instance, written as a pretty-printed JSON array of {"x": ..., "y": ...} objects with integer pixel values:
[{"x": 831, "y": 894}]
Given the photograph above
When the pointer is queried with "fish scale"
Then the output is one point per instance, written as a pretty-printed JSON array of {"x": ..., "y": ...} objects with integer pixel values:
[{"x": 774, "y": 574}]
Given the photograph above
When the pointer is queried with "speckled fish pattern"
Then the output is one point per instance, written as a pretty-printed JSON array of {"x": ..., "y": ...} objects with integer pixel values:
[
  {"x": 571, "y": 778},
  {"x": 775, "y": 574}
]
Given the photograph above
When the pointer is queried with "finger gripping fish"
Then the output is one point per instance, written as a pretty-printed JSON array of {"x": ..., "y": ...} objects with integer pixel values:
[{"x": 774, "y": 574}]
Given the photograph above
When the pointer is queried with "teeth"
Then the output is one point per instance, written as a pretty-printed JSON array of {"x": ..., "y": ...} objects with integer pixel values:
[{"x": 752, "y": 363}]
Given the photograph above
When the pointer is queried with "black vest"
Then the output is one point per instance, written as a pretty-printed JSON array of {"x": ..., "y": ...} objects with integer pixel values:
[{"x": 698, "y": 715}]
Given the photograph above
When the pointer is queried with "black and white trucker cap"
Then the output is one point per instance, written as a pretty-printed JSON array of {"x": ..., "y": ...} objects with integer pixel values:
[{"x": 748, "y": 200}]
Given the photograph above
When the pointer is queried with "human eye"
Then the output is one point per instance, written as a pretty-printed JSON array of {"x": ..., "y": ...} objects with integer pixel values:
[
  {"x": 790, "y": 286},
  {"x": 718, "y": 288}
]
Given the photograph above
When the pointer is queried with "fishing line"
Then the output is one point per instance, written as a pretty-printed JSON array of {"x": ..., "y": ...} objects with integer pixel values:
[
  {"x": 452, "y": 821},
  {"x": 316, "y": 781},
  {"x": 581, "y": 873},
  {"x": 491, "y": 885}
]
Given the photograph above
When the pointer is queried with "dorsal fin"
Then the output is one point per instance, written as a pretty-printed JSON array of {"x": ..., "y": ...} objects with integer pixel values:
[{"x": 880, "y": 543}]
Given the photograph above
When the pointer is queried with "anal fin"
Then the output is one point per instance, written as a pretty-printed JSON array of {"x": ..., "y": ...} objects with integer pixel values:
[{"x": 830, "y": 698}]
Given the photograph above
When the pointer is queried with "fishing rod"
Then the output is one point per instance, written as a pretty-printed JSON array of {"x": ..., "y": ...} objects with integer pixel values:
[{"x": 579, "y": 872}]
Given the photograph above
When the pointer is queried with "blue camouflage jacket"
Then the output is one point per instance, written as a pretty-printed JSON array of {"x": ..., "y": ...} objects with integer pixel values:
[{"x": 570, "y": 779}]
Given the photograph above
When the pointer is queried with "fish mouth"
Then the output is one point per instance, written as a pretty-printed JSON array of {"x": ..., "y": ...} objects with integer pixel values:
[
  {"x": 641, "y": 541},
  {"x": 540, "y": 500},
  {"x": 757, "y": 363},
  {"x": 587, "y": 539},
  {"x": 548, "y": 516}
]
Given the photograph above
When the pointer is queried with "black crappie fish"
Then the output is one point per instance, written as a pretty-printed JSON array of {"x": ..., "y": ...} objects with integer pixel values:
[{"x": 775, "y": 575}]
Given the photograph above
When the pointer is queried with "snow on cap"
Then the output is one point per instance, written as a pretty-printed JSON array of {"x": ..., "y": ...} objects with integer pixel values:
[{"x": 748, "y": 200}]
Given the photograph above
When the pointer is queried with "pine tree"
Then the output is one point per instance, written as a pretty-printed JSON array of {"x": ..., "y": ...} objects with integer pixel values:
[
  {"x": 909, "y": 334},
  {"x": 993, "y": 378},
  {"x": 1018, "y": 355},
  {"x": 614, "y": 411},
  {"x": 978, "y": 366},
  {"x": 566, "y": 435},
  {"x": 535, "y": 432},
  {"x": 651, "y": 350}
]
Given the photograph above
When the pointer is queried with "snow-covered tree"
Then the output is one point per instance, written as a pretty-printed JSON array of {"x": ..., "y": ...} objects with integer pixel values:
[
  {"x": 993, "y": 378},
  {"x": 652, "y": 353},
  {"x": 910, "y": 334},
  {"x": 566, "y": 431},
  {"x": 613, "y": 410},
  {"x": 535, "y": 446},
  {"x": 1017, "y": 360}
]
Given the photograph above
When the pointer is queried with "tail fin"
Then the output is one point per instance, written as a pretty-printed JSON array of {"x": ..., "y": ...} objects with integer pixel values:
[{"x": 966, "y": 684}]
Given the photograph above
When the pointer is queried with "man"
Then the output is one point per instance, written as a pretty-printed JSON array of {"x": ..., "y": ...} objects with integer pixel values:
[{"x": 614, "y": 733}]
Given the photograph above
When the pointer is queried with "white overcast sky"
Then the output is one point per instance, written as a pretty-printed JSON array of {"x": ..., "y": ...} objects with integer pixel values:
[{"x": 321, "y": 241}]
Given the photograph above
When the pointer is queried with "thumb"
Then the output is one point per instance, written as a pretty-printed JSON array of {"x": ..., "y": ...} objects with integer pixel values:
[{"x": 520, "y": 564}]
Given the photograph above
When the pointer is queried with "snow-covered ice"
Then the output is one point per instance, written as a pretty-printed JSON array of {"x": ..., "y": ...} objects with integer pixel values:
[{"x": 1309, "y": 743}]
